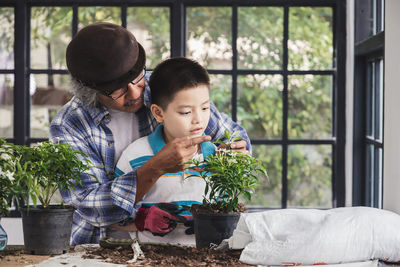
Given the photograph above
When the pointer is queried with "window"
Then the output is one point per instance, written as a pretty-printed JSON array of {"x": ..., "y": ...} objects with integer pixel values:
[
  {"x": 276, "y": 67},
  {"x": 7, "y": 71},
  {"x": 368, "y": 95}
]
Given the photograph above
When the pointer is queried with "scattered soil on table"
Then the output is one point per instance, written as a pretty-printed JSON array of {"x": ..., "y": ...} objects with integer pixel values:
[
  {"x": 162, "y": 255},
  {"x": 17, "y": 258}
]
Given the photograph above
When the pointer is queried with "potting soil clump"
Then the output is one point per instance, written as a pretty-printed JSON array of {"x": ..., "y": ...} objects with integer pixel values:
[{"x": 167, "y": 255}]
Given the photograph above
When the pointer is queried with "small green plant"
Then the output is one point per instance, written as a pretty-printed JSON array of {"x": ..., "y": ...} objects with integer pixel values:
[
  {"x": 228, "y": 175},
  {"x": 9, "y": 187},
  {"x": 37, "y": 172}
]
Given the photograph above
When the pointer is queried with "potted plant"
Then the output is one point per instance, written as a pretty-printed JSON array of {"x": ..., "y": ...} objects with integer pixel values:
[
  {"x": 228, "y": 176},
  {"x": 39, "y": 171},
  {"x": 9, "y": 187}
]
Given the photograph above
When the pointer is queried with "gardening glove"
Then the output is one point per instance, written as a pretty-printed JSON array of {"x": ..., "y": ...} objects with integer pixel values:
[
  {"x": 183, "y": 211},
  {"x": 159, "y": 219}
]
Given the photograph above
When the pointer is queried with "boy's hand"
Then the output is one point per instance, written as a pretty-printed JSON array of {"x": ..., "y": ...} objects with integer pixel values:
[
  {"x": 169, "y": 159},
  {"x": 180, "y": 150}
]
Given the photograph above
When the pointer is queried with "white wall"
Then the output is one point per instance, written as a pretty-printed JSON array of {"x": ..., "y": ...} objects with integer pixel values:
[
  {"x": 391, "y": 166},
  {"x": 13, "y": 228}
]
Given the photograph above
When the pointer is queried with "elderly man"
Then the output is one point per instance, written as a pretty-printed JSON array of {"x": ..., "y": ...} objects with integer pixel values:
[{"x": 109, "y": 110}]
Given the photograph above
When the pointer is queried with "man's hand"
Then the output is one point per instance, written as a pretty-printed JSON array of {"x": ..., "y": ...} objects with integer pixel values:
[{"x": 238, "y": 146}]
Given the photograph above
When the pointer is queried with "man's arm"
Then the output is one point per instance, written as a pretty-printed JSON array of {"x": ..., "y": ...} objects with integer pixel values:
[{"x": 103, "y": 201}]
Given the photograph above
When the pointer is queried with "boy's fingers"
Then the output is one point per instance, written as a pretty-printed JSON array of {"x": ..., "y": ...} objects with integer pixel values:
[{"x": 194, "y": 141}]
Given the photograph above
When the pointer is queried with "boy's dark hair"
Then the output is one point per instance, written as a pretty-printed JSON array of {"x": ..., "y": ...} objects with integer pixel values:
[{"x": 174, "y": 75}]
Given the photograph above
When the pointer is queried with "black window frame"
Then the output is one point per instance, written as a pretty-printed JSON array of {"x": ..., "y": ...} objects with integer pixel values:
[
  {"x": 368, "y": 51},
  {"x": 178, "y": 48}
]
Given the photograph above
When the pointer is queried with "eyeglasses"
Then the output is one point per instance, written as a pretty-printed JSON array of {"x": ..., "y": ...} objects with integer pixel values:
[{"x": 120, "y": 92}]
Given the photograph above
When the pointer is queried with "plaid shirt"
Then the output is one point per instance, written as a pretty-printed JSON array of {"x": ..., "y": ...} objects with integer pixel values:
[{"x": 108, "y": 200}]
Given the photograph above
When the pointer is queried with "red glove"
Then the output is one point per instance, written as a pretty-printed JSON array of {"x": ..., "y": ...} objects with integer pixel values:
[{"x": 156, "y": 220}]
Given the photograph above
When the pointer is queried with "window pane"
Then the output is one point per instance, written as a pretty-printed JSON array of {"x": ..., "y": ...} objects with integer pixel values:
[
  {"x": 6, "y": 105},
  {"x": 378, "y": 16},
  {"x": 269, "y": 191},
  {"x": 370, "y": 98},
  {"x": 260, "y": 105},
  {"x": 151, "y": 27},
  {"x": 310, "y": 41},
  {"x": 48, "y": 94},
  {"x": 211, "y": 46},
  {"x": 310, "y": 176},
  {"x": 379, "y": 100},
  {"x": 369, "y": 175},
  {"x": 89, "y": 15},
  {"x": 221, "y": 92},
  {"x": 50, "y": 35},
  {"x": 6, "y": 38},
  {"x": 310, "y": 106},
  {"x": 260, "y": 37},
  {"x": 379, "y": 177},
  {"x": 364, "y": 19}
]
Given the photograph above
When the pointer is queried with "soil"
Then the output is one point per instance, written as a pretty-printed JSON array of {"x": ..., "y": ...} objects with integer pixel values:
[
  {"x": 163, "y": 255},
  {"x": 215, "y": 208},
  {"x": 14, "y": 256},
  {"x": 155, "y": 255}
]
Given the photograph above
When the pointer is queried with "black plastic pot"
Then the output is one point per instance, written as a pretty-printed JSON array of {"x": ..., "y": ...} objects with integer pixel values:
[
  {"x": 213, "y": 228},
  {"x": 47, "y": 231}
]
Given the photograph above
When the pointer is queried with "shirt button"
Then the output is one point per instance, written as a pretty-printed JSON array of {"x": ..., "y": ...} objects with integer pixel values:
[{"x": 110, "y": 144}]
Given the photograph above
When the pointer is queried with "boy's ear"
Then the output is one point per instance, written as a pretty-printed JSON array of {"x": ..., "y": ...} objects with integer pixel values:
[{"x": 157, "y": 112}]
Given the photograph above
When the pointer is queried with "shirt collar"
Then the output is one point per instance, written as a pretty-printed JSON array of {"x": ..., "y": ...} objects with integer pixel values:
[
  {"x": 97, "y": 113},
  {"x": 156, "y": 139}
]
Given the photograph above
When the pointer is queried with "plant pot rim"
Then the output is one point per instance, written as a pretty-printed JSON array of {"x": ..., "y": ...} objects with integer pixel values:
[
  {"x": 51, "y": 208},
  {"x": 205, "y": 213}
]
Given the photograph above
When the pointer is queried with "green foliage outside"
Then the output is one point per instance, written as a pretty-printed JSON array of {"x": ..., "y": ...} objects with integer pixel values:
[
  {"x": 259, "y": 110},
  {"x": 260, "y": 103}
]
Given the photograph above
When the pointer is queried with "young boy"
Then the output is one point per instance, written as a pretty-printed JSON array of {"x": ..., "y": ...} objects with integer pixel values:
[{"x": 181, "y": 104}]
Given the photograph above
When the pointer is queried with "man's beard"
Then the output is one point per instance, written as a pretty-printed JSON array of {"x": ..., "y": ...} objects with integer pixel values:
[{"x": 134, "y": 101}]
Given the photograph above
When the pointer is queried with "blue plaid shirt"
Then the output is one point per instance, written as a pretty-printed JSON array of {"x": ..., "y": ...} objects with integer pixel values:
[{"x": 108, "y": 200}]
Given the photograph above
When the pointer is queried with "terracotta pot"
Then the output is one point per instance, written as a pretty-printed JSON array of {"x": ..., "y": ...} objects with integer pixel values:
[
  {"x": 213, "y": 227},
  {"x": 47, "y": 231}
]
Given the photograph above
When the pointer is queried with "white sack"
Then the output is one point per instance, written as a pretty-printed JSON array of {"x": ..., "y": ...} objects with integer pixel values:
[{"x": 309, "y": 236}]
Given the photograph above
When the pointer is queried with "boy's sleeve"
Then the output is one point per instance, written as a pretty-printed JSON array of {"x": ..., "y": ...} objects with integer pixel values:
[{"x": 123, "y": 165}]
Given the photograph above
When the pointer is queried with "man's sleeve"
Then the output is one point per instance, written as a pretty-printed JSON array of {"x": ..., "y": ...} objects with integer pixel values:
[
  {"x": 102, "y": 201},
  {"x": 220, "y": 122}
]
